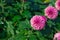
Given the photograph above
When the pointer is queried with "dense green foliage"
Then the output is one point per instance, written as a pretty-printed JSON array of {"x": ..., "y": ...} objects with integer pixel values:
[{"x": 15, "y": 18}]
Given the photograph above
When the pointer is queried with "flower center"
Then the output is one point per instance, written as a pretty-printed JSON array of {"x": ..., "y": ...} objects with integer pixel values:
[
  {"x": 36, "y": 21},
  {"x": 50, "y": 12}
]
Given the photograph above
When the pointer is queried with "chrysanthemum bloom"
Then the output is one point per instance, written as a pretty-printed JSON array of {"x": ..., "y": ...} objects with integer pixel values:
[
  {"x": 51, "y": 12},
  {"x": 57, "y": 4},
  {"x": 38, "y": 22},
  {"x": 57, "y": 36}
]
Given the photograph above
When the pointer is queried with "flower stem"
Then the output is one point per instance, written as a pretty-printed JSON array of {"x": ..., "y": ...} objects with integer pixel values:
[
  {"x": 22, "y": 6},
  {"x": 56, "y": 29}
]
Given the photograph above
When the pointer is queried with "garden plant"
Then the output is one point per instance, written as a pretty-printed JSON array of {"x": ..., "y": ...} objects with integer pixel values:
[{"x": 29, "y": 19}]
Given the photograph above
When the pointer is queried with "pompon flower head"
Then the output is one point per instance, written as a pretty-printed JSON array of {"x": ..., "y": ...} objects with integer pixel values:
[
  {"x": 38, "y": 22},
  {"x": 57, "y": 4},
  {"x": 57, "y": 36},
  {"x": 51, "y": 12}
]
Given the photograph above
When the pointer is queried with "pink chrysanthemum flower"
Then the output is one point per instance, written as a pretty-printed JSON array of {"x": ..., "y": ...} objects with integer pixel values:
[
  {"x": 51, "y": 12},
  {"x": 38, "y": 22},
  {"x": 57, "y": 4},
  {"x": 57, "y": 36}
]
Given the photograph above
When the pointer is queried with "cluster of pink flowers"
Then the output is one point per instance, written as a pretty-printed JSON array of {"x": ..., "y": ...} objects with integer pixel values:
[
  {"x": 57, "y": 35},
  {"x": 50, "y": 12},
  {"x": 38, "y": 21}
]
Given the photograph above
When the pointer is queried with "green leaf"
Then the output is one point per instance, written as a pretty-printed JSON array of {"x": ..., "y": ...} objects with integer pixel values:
[
  {"x": 26, "y": 14},
  {"x": 16, "y": 18},
  {"x": 32, "y": 37},
  {"x": 10, "y": 28}
]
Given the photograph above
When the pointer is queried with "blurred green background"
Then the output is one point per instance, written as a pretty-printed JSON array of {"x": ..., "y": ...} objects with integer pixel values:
[{"x": 15, "y": 18}]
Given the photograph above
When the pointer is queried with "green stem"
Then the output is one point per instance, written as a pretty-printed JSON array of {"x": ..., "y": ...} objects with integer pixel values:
[
  {"x": 22, "y": 6},
  {"x": 56, "y": 29}
]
